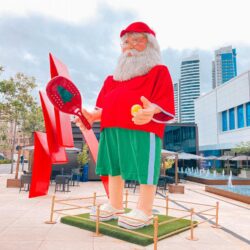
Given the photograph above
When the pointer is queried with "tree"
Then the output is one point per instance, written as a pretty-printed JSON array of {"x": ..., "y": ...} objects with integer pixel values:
[
  {"x": 33, "y": 120},
  {"x": 4, "y": 144},
  {"x": 242, "y": 148},
  {"x": 16, "y": 102}
]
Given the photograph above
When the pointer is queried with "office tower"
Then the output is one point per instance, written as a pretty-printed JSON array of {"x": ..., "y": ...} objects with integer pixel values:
[
  {"x": 224, "y": 65},
  {"x": 176, "y": 100},
  {"x": 189, "y": 88},
  {"x": 213, "y": 75}
]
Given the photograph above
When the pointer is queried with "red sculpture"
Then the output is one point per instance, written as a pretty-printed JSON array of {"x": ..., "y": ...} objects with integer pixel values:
[
  {"x": 42, "y": 166},
  {"x": 50, "y": 146}
]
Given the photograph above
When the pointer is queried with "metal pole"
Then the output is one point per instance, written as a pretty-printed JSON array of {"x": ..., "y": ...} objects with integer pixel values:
[
  {"x": 94, "y": 199},
  {"x": 167, "y": 200},
  {"x": 13, "y": 148},
  {"x": 126, "y": 199},
  {"x": 191, "y": 237},
  {"x": 17, "y": 163},
  {"x": 97, "y": 220},
  {"x": 52, "y": 211},
  {"x": 217, "y": 216},
  {"x": 176, "y": 169},
  {"x": 155, "y": 232}
]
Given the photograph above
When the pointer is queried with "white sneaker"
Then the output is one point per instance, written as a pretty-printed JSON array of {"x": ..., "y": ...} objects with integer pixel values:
[
  {"x": 107, "y": 212},
  {"x": 135, "y": 219}
]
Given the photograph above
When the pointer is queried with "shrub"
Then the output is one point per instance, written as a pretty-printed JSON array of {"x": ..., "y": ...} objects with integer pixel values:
[
  {"x": 5, "y": 161},
  {"x": 83, "y": 157}
]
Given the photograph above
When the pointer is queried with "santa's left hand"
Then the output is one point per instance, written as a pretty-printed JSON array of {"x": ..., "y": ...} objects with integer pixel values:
[{"x": 145, "y": 115}]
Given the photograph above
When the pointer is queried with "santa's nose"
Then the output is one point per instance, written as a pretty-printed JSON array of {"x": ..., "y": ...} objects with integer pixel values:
[{"x": 129, "y": 53}]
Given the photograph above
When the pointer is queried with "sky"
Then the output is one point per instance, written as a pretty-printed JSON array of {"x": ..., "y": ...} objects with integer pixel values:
[{"x": 85, "y": 36}]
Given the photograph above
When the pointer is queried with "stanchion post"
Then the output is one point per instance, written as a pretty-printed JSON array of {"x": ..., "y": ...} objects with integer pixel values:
[
  {"x": 155, "y": 232},
  {"x": 126, "y": 199},
  {"x": 217, "y": 216},
  {"x": 191, "y": 237},
  {"x": 97, "y": 233},
  {"x": 94, "y": 199},
  {"x": 167, "y": 200},
  {"x": 52, "y": 211}
]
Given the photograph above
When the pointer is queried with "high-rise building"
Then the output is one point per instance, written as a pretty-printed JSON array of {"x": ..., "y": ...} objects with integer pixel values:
[
  {"x": 189, "y": 88},
  {"x": 176, "y": 100},
  {"x": 213, "y": 75},
  {"x": 224, "y": 65}
]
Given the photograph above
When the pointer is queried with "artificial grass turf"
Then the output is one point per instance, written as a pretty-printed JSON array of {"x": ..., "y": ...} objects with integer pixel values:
[{"x": 127, "y": 236}]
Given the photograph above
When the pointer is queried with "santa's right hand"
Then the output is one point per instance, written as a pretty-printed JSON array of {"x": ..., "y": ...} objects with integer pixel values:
[{"x": 79, "y": 124}]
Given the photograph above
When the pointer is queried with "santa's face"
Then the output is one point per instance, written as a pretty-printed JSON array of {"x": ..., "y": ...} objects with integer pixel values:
[
  {"x": 140, "y": 53},
  {"x": 137, "y": 42}
]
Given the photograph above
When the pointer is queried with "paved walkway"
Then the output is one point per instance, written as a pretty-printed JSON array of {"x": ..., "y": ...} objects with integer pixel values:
[
  {"x": 22, "y": 224},
  {"x": 5, "y": 168}
]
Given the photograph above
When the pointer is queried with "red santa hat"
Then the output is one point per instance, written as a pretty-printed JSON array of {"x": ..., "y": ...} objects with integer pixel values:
[{"x": 137, "y": 27}]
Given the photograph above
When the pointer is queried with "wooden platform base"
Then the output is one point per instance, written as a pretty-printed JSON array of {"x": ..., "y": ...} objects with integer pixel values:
[
  {"x": 111, "y": 228},
  {"x": 13, "y": 183},
  {"x": 177, "y": 189}
]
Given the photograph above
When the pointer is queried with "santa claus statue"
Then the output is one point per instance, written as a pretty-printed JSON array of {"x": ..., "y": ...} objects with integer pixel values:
[{"x": 133, "y": 106}]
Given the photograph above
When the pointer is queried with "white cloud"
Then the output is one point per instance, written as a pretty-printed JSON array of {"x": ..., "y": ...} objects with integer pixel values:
[
  {"x": 82, "y": 47},
  {"x": 86, "y": 38},
  {"x": 65, "y": 10},
  {"x": 30, "y": 58},
  {"x": 193, "y": 24},
  {"x": 93, "y": 77},
  {"x": 179, "y": 24}
]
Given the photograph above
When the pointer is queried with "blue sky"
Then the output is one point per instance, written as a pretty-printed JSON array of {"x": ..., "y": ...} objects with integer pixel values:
[{"x": 85, "y": 36}]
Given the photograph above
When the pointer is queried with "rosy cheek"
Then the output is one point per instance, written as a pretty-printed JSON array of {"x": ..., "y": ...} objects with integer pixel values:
[
  {"x": 123, "y": 50},
  {"x": 142, "y": 47}
]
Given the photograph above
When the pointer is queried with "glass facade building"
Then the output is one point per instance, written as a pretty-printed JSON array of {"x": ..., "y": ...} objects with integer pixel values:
[
  {"x": 224, "y": 66},
  {"x": 240, "y": 116},
  {"x": 228, "y": 65},
  {"x": 236, "y": 117},
  {"x": 248, "y": 114},
  {"x": 189, "y": 88},
  {"x": 176, "y": 100},
  {"x": 231, "y": 119},
  {"x": 223, "y": 116},
  {"x": 181, "y": 138},
  {"x": 224, "y": 120}
]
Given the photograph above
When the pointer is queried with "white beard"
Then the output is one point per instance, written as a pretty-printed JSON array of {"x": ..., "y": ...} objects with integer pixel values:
[{"x": 140, "y": 63}]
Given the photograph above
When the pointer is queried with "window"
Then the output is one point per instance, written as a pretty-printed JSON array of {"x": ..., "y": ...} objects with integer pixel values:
[
  {"x": 240, "y": 116},
  {"x": 248, "y": 114},
  {"x": 231, "y": 119},
  {"x": 224, "y": 120}
]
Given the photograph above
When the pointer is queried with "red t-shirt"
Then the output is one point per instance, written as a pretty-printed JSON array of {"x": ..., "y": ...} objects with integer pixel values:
[{"x": 117, "y": 97}]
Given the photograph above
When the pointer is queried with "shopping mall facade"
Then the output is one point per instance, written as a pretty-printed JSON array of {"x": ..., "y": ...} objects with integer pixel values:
[{"x": 223, "y": 116}]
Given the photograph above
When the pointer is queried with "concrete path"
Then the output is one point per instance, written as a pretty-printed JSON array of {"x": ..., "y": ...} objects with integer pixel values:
[{"x": 22, "y": 224}]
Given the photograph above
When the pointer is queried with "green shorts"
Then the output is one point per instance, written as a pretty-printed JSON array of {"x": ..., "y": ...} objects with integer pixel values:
[{"x": 133, "y": 154}]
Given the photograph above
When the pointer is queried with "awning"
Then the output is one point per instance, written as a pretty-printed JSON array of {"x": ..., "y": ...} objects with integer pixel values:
[
  {"x": 225, "y": 158},
  {"x": 211, "y": 157},
  {"x": 167, "y": 152},
  {"x": 187, "y": 156},
  {"x": 241, "y": 158},
  {"x": 31, "y": 147}
]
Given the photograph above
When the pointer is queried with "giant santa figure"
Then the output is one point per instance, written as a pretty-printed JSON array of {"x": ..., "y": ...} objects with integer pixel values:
[{"x": 130, "y": 142}]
